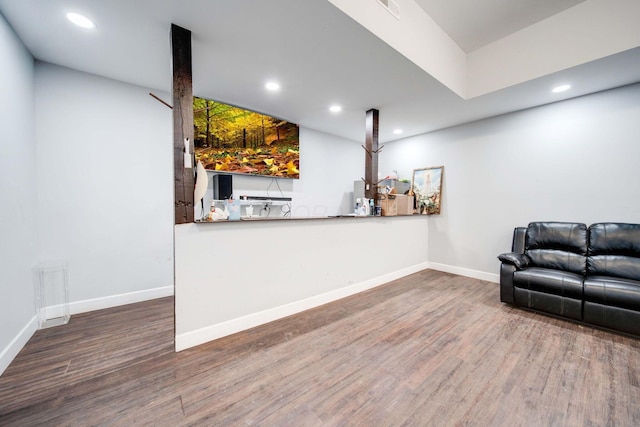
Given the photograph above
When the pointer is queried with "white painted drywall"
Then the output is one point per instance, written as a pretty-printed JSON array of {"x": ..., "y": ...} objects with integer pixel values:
[
  {"x": 236, "y": 275},
  {"x": 105, "y": 180},
  {"x": 18, "y": 225},
  {"x": 416, "y": 36},
  {"x": 575, "y": 160},
  {"x": 588, "y": 31},
  {"x": 591, "y": 30},
  {"x": 329, "y": 166}
]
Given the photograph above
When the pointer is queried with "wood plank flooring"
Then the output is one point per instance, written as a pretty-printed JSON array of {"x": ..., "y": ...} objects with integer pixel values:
[{"x": 431, "y": 349}]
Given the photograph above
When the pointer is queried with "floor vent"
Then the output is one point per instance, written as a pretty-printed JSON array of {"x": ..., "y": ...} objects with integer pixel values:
[{"x": 391, "y": 6}]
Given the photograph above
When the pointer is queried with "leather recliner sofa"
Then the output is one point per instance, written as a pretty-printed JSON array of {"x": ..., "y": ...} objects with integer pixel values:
[{"x": 587, "y": 274}]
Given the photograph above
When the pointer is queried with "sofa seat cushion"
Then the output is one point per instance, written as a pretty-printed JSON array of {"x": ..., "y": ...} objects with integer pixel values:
[
  {"x": 545, "y": 280},
  {"x": 613, "y": 291}
]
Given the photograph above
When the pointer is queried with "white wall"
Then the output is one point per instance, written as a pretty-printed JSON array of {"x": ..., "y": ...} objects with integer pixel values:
[
  {"x": 18, "y": 225},
  {"x": 236, "y": 275},
  {"x": 328, "y": 167},
  {"x": 575, "y": 160},
  {"x": 105, "y": 181}
]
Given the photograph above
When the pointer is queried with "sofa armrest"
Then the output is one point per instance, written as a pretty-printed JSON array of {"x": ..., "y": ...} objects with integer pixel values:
[
  {"x": 519, "y": 261},
  {"x": 511, "y": 262},
  {"x": 506, "y": 283}
]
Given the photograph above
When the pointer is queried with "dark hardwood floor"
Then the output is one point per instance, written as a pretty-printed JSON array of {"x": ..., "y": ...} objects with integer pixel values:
[{"x": 429, "y": 349}]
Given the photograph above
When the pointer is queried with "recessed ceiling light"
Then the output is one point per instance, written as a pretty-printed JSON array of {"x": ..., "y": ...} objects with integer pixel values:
[
  {"x": 397, "y": 131},
  {"x": 335, "y": 108},
  {"x": 80, "y": 20},
  {"x": 561, "y": 88},
  {"x": 272, "y": 86}
]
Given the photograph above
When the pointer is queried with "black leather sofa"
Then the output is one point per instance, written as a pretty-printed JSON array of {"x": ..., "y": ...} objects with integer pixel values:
[{"x": 588, "y": 274}]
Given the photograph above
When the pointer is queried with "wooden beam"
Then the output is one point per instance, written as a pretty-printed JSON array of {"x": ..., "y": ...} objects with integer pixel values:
[
  {"x": 182, "y": 124},
  {"x": 371, "y": 154}
]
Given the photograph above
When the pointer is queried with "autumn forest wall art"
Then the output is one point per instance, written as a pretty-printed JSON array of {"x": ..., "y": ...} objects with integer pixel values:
[{"x": 232, "y": 139}]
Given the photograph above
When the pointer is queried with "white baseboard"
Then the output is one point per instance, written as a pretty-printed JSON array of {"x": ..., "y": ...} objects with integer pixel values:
[
  {"x": 467, "y": 272},
  {"x": 14, "y": 347},
  {"x": 120, "y": 299},
  {"x": 213, "y": 332}
]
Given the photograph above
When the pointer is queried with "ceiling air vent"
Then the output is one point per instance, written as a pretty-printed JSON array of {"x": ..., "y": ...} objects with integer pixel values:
[{"x": 391, "y": 6}]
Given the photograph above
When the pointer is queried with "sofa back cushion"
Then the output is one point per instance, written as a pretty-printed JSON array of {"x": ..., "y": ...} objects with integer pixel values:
[
  {"x": 614, "y": 250},
  {"x": 557, "y": 245}
]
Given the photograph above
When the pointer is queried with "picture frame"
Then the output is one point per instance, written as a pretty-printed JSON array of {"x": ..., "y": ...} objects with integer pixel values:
[{"x": 427, "y": 189}]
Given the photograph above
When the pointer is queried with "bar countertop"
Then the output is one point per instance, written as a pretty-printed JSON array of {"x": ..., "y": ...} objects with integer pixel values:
[{"x": 302, "y": 218}]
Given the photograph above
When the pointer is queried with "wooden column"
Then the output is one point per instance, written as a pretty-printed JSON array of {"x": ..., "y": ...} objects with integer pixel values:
[
  {"x": 182, "y": 124},
  {"x": 371, "y": 154}
]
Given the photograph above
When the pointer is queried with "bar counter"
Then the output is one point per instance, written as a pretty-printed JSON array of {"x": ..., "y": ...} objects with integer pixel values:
[{"x": 229, "y": 278}]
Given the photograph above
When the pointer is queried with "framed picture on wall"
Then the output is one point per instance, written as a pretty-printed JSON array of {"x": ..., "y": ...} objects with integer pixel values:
[
  {"x": 234, "y": 140},
  {"x": 427, "y": 188}
]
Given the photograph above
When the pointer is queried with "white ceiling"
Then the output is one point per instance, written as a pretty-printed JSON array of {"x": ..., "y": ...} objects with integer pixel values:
[
  {"x": 318, "y": 54},
  {"x": 476, "y": 23}
]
